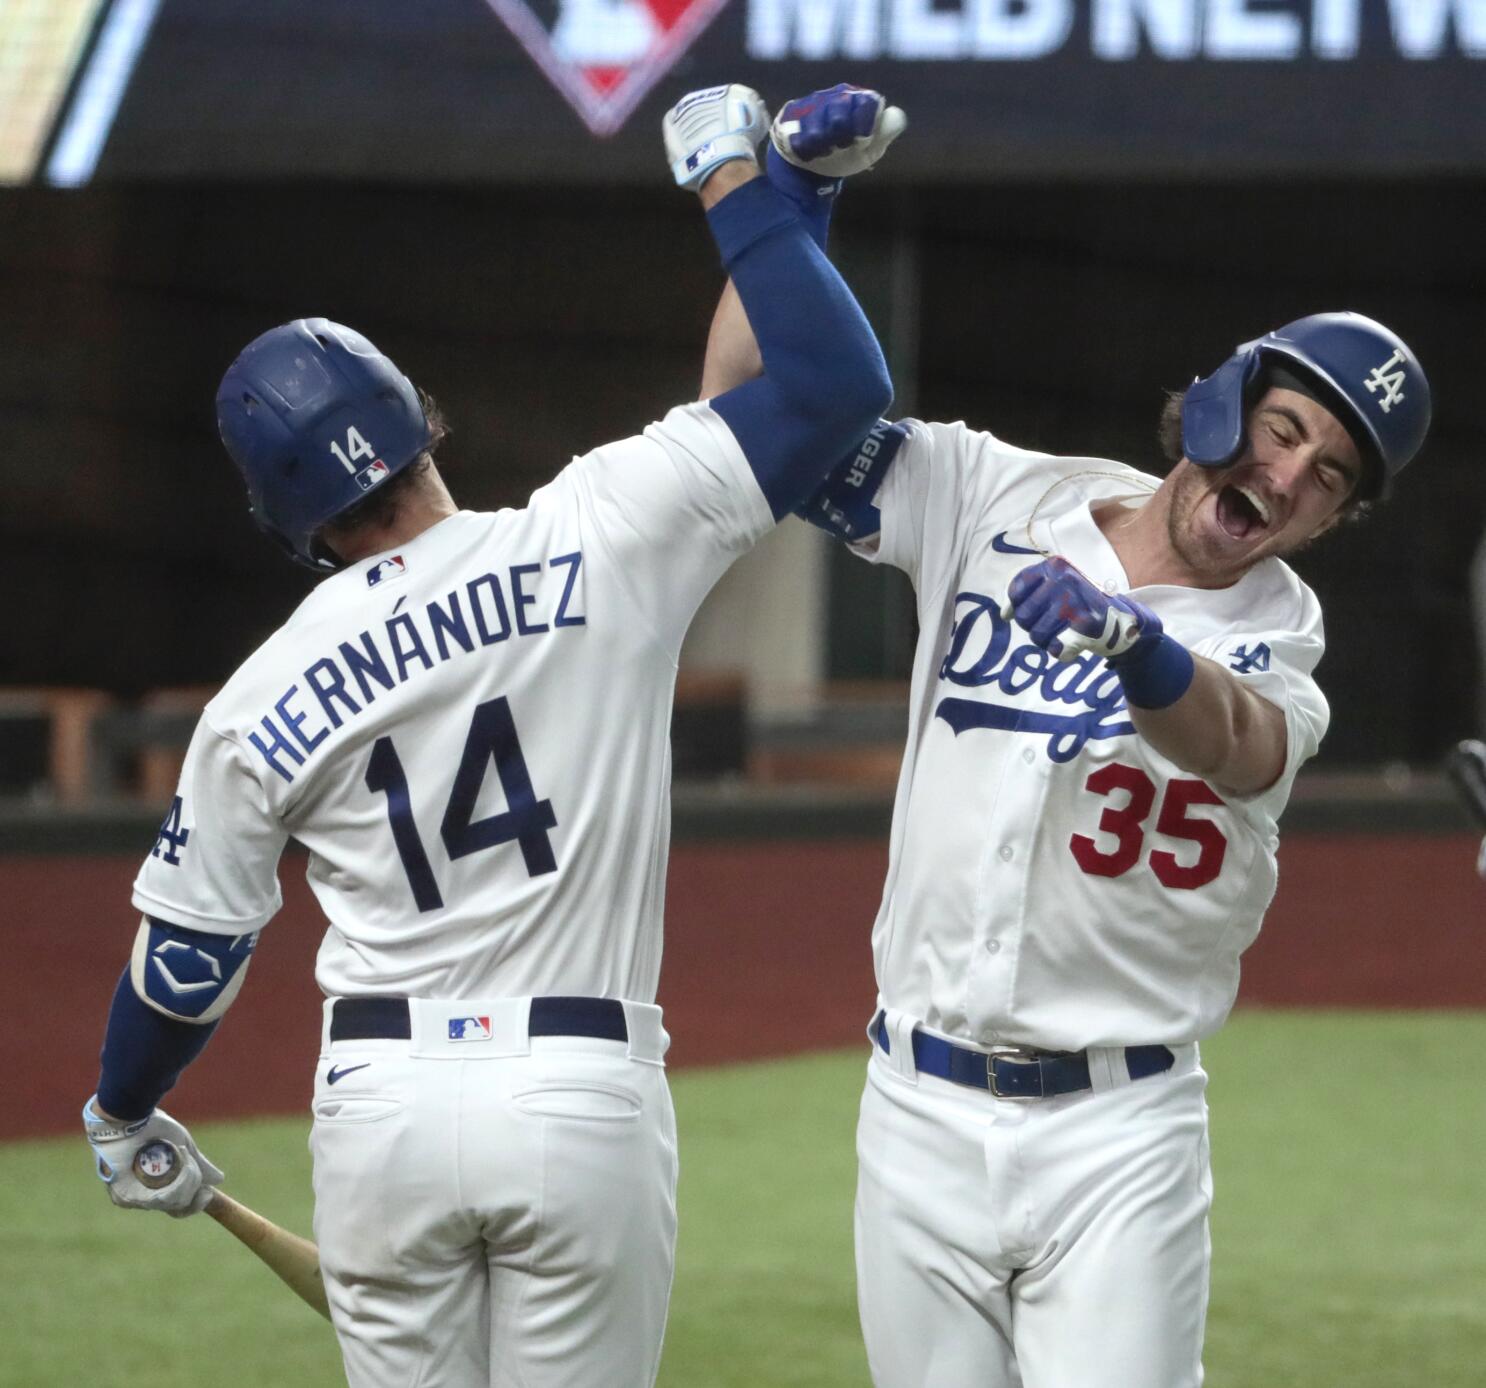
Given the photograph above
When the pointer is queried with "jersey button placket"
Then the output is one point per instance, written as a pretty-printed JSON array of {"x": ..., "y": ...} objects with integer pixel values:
[
  {"x": 995, "y": 961},
  {"x": 990, "y": 944},
  {"x": 990, "y": 965}
]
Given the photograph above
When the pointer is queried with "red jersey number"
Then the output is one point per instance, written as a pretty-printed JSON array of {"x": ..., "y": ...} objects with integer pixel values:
[{"x": 1125, "y": 823}]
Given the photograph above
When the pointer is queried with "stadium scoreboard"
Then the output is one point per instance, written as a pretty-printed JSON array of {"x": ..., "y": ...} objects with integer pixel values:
[{"x": 521, "y": 90}]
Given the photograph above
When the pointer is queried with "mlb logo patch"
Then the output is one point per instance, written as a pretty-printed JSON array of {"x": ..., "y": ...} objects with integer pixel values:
[
  {"x": 387, "y": 570},
  {"x": 469, "y": 1028},
  {"x": 368, "y": 477},
  {"x": 605, "y": 55}
]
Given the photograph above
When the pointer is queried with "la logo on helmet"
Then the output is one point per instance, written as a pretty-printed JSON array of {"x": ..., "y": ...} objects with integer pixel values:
[{"x": 1391, "y": 386}]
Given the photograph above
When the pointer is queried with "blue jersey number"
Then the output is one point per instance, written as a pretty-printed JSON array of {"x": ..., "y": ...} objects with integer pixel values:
[
  {"x": 525, "y": 821},
  {"x": 386, "y": 774}
]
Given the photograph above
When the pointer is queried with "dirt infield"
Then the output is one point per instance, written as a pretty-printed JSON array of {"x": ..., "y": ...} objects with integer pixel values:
[{"x": 766, "y": 954}]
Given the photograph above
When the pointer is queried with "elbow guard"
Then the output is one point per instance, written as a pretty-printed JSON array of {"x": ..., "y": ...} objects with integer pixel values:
[
  {"x": 188, "y": 975},
  {"x": 842, "y": 505}
]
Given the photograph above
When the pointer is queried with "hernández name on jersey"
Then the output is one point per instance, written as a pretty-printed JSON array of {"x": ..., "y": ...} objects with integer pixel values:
[
  {"x": 1017, "y": 676},
  {"x": 533, "y": 599}
]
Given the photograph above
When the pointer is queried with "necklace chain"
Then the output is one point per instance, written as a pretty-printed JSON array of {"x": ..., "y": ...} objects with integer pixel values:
[{"x": 1149, "y": 488}]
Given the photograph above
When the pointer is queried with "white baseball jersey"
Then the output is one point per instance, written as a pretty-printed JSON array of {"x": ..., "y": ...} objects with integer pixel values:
[
  {"x": 470, "y": 734},
  {"x": 1054, "y": 881}
]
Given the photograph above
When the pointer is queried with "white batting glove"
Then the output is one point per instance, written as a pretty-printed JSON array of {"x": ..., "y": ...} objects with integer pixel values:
[
  {"x": 837, "y": 132},
  {"x": 115, "y": 1145},
  {"x": 1481, "y": 859},
  {"x": 705, "y": 129}
]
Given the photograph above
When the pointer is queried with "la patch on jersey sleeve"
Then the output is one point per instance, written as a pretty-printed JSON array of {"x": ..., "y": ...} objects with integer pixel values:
[
  {"x": 214, "y": 863},
  {"x": 1277, "y": 665}
]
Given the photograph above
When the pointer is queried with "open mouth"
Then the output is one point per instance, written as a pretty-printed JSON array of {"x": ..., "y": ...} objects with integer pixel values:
[{"x": 1241, "y": 513}]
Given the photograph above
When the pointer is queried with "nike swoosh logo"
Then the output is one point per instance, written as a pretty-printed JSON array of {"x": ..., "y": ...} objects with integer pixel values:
[
  {"x": 1004, "y": 546},
  {"x": 334, "y": 1074}
]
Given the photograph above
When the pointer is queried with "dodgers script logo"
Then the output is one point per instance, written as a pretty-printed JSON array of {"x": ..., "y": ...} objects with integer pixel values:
[
  {"x": 981, "y": 656},
  {"x": 605, "y": 55}
]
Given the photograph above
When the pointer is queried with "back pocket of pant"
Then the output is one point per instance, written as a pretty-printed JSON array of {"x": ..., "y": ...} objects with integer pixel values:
[
  {"x": 355, "y": 1108},
  {"x": 585, "y": 1102}
]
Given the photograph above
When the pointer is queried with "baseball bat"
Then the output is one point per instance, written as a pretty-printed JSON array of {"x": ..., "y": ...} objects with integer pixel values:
[
  {"x": 1466, "y": 767},
  {"x": 293, "y": 1260}
]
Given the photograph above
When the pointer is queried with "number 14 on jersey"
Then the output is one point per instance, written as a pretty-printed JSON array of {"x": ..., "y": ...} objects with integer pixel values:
[{"x": 525, "y": 821}]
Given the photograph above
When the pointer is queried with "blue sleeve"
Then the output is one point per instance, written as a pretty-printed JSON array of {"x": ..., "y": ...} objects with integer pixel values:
[
  {"x": 825, "y": 382},
  {"x": 143, "y": 1054},
  {"x": 813, "y": 195}
]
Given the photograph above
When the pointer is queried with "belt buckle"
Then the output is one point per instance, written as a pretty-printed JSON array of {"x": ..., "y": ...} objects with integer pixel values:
[{"x": 1020, "y": 1055}]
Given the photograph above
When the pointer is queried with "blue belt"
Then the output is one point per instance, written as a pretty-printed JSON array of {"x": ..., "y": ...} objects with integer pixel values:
[
  {"x": 380, "y": 1019},
  {"x": 1017, "y": 1073}
]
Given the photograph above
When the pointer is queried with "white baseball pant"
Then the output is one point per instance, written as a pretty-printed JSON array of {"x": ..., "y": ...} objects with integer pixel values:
[
  {"x": 1049, "y": 1243},
  {"x": 496, "y": 1208}
]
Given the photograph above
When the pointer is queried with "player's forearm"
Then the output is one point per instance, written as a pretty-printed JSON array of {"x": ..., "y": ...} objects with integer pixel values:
[
  {"x": 817, "y": 347},
  {"x": 825, "y": 382},
  {"x": 144, "y": 1053},
  {"x": 732, "y": 354},
  {"x": 1191, "y": 711},
  {"x": 723, "y": 180},
  {"x": 732, "y": 351},
  {"x": 1219, "y": 730},
  {"x": 180, "y": 981}
]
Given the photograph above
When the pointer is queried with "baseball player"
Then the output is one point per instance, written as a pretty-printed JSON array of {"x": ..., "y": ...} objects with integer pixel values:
[
  {"x": 1112, "y": 692},
  {"x": 466, "y": 724}
]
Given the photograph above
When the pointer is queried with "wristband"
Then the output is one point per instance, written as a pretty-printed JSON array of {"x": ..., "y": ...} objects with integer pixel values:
[{"x": 1155, "y": 672}]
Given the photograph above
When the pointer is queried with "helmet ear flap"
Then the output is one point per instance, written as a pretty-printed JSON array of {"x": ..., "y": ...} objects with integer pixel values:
[{"x": 1213, "y": 410}]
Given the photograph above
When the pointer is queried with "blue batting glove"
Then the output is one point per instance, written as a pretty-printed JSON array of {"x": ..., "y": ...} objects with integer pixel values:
[
  {"x": 837, "y": 132},
  {"x": 1066, "y": 615}
]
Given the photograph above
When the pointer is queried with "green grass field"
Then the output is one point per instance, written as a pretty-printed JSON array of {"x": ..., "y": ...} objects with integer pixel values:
[{"x": 1349, "y": 1229}]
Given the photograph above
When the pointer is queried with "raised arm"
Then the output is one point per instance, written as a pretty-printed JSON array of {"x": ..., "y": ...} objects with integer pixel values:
[
  {"x": 815, "y": 142},
  {"x": 823, "y": 381}
]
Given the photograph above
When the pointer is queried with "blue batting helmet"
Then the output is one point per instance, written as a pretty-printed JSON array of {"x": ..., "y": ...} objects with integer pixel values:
[
  {"x": 1363, "y": 373},
  {"x": 315, "y": 417}
]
